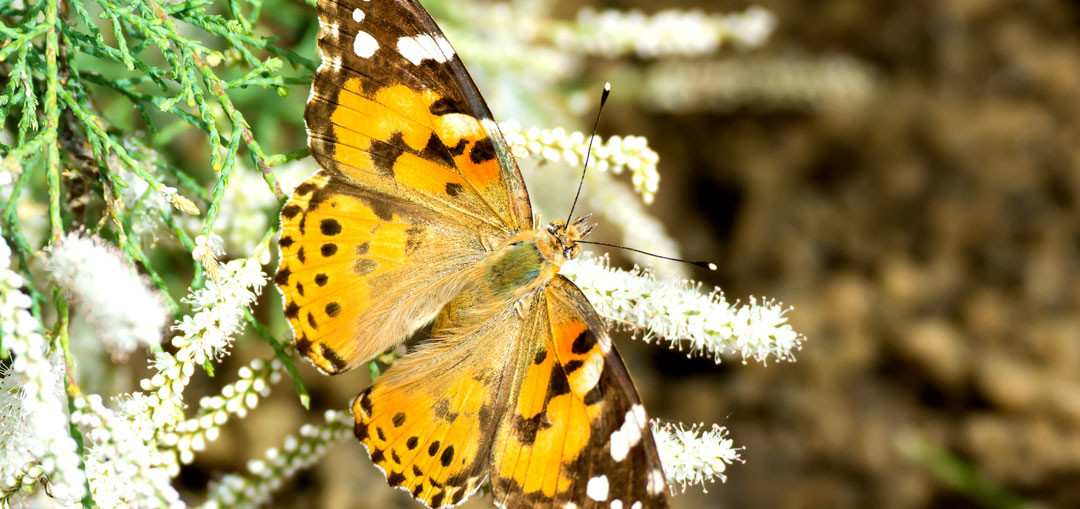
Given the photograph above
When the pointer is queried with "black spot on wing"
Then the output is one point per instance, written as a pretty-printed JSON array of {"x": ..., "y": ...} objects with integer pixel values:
[
  {"x": 362, "y": 249},
  {"x": 282, "y": 276},
  {"x": 365, "y": 401},
  {"x": 305, "y": 188},
  {"x": 540, "y": 356},
  {"x": 329, "y": 249},
  {"x": 332, "y": 357},
  {"x": 292, "y": 310},
  {"x": 303, "y": 345},
  {"x": 399, "y": 419},
  {"x": 385, "y": 153},
  {"x": 395, "y": 479},
  {"x": 321, "y": 279},
  {"x": 437, "y": 151},
  {"x": 286, "y": 241},
  {"x": 360, "y": 429},
  {"x": 559, "y": 384},
  {"x": 482, "y": 151},
  {"x": 583, "y": 343},
  {"x": 330, "y": 227},
  {"x": 332, "y": 309},
  {"x": 433, "y": 448},
  {"x": 447, "y": 456},
  {"x": 446, "y": 105},
  {"x": 290, "y": 211},
  {"x": 411, "y": 443},
  {"x": 453, "y": 188}
]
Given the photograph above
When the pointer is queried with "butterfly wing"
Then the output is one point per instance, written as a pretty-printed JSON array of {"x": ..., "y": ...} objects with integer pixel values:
[
  {"x": 576, "y": 431},
  {"x": 415, "y": 179},
  {"x": 429, "y": 421}
]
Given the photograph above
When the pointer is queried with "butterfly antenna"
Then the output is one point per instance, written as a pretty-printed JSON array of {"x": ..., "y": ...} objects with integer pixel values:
[
  {"x": 588, "y": 152},
  {"x": 704, "y": 265}
]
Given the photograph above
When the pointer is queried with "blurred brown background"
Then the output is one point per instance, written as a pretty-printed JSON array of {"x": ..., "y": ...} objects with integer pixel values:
[{"x": 928, "y": 240}]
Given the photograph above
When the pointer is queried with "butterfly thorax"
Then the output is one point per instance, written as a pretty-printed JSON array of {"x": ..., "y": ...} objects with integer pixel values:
[{"x": 529, "y": 259}]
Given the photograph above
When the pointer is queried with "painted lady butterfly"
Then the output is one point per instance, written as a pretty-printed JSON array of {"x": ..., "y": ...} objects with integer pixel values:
[{"x": 419, "y": 212}]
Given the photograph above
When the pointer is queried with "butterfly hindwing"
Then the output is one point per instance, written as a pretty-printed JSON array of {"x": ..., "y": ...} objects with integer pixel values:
[
  {"x": 429, "y": 421},
  {"x": 575, "y": 431}
]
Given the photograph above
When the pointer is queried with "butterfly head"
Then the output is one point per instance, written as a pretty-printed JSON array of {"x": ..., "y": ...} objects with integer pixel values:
[{"x": 559, "y": 240}]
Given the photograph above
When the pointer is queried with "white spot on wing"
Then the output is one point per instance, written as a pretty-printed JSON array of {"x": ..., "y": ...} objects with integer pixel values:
[
  {"x": 616, "y": 504},
  {"x": 445, "y": 47},
  {"x": 570, "y": 505},
  {"x": 619, "y": 445},
  {"x": 597, "y": 488},
  {"x": 656, "y": 482},
  {"x": 421, "y": 47},
  {"x": 357, "y": 15},
  {"x": 636, "y": 505},
  {"x": 631, "y": 429},
  {"x": 364, "y": 45},
  {"x": 639, "y": 412}
]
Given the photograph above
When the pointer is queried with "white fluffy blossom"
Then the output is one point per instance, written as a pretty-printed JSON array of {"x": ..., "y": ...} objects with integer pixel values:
[
  {"x": 615, "y": 154},
  {"x": 678, "y": 311},
  {"x": 218, "y": 311},
  {"x": 695, "y": 455},
  {"x": 113, "y": 298},
  {"x": 123, "y": 463},
  {"x": 614, "y": 32},
  {"x": 34, "y": 439}
]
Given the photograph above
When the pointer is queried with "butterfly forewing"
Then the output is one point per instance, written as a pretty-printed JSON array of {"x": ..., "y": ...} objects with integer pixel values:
[{"x": 415, "y": 178}]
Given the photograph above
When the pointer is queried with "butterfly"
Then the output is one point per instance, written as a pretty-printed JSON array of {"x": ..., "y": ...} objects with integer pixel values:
[{"x": 419, "y": 214}]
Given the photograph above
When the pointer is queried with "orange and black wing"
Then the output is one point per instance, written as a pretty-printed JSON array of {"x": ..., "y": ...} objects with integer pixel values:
[
  {"x": 575, "y": 433},
  {"x": 415, "y": 179}
]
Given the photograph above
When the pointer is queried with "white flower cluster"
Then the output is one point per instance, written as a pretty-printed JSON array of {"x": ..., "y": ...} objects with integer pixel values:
[
  {"x": 217, "y": 314},
  {"x": 670, "y": 32},
  {"x": 680, "y": 313},
  {"x": 123, "y": 462},
  {"x": 615, "y": 154},
  {"x": 266, "y": 476},
  {"x": 114, "y": 299},
  {"x": 693, "y": 456},
  {"x": 218, "y": 310},
  {"x": 35, "y": 442},
  {"x": 191, "y": 435}
]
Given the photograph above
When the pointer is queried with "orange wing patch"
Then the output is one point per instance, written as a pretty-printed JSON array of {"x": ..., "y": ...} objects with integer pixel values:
[
  {"x": 577, "y": 431},
  {"x": 409, "y": 136},
  {"x": 340, "y": 246}
]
